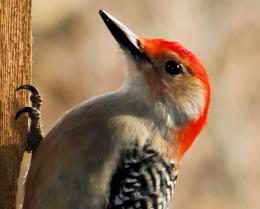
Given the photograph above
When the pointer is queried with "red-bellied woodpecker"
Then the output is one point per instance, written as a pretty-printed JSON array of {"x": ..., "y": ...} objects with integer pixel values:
[{"x": 122, "y": 149}]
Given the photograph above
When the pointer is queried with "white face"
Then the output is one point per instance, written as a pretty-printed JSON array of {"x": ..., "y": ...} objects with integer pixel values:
[{"x": 171, "y": 89}]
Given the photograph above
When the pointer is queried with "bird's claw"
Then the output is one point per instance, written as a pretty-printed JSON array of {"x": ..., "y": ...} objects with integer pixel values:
[
  {"x": 35, "y": 98},
  {"x": 33, "y": 113},
  {"x": 35, "y": 133}
]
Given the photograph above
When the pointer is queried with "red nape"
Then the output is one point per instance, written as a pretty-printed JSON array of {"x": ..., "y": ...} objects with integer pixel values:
[
  {"x": 187, "y": 135},
  {"x": 157, "y": 47}
]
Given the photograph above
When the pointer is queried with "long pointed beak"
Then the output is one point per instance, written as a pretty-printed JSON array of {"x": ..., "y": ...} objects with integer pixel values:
[{"x": 125, "y": 37}]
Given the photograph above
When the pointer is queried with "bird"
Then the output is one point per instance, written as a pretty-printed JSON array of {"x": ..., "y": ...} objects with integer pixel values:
[{"x": 123, "y": 149}]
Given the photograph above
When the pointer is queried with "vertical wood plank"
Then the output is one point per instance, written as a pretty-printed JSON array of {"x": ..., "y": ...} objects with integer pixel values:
[{"x": 15, "y": 69}]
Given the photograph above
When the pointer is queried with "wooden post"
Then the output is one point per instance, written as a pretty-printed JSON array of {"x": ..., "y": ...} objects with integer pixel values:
[{"x": 15, "y": 69}]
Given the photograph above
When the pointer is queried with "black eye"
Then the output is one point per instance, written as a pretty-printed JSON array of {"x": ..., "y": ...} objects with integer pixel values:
[{"x": 173, "y": 67}]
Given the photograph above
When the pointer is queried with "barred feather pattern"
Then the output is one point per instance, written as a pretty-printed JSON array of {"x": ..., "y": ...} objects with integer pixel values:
[{"x": 143, "y": 180}]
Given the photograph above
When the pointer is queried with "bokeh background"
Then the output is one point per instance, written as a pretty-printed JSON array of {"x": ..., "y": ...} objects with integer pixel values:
[{"x": 75, "y": 58}]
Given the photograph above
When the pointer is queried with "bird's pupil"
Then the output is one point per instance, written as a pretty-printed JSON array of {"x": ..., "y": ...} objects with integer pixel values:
[{"x": 173, "y": 68}]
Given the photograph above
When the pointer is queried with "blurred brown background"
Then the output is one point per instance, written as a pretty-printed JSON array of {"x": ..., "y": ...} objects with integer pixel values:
[{"x": 75, "y": 58}]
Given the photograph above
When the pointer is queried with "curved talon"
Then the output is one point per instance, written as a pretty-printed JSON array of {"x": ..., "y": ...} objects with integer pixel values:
[
  {"x": 35, "y": 98},
  {"x": 30, "y": 88},
  {"x": 35, "y": 134},
  {"x": 28, "y": 110}
]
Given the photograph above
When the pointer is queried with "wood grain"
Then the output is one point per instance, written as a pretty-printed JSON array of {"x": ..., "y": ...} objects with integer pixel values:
[{"x": 15, "y": 69}]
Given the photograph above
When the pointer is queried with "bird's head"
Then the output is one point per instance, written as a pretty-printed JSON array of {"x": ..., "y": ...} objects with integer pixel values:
[{"x": 172, "y": 79}]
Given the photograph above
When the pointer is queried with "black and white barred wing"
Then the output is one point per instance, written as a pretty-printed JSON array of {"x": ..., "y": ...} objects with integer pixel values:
[{"x": 142, "y": 180}]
